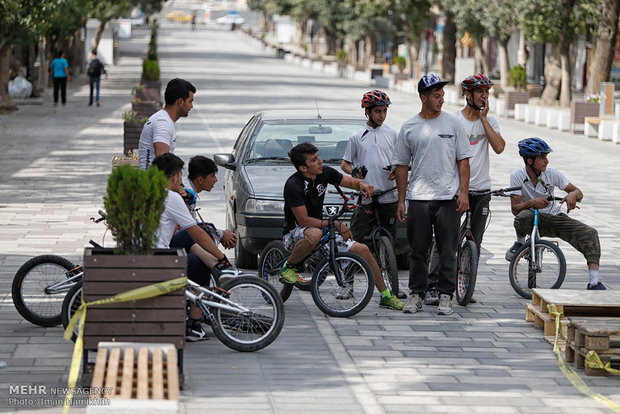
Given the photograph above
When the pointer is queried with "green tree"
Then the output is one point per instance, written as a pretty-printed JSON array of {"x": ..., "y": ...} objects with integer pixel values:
[
  {"x": 500, "y": 21},
  {"x": 415, "y": 14},
  {"x": 604, "y": 45}
]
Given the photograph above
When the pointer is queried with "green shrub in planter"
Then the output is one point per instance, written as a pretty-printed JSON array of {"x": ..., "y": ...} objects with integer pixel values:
[
  {"x": 401, "y": 62},
  {"x": 516, "y": 77},
  {"x": 150, "y": 70},
  {"x": 134, "y": 203},
  {"x": 341, "y": 55}
]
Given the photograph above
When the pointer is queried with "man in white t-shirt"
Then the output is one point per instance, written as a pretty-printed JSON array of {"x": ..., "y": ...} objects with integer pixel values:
[
  {"x": 483, "y": 132},
  {"x": 371, "y": 148},
  {"x": 435, "y": 145},
  {"x": 176, "y": 214},
  {"x": 158, "y": 134},
  {"x": 537, "y": 182}
]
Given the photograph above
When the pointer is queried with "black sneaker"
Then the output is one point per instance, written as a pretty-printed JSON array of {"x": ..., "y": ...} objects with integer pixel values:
[
  {"x": 598, "y": 286},
  {"x": 431, "y": 298},
  {"x": 195, "y": 332},
  {"x": 513, "y": 250}
]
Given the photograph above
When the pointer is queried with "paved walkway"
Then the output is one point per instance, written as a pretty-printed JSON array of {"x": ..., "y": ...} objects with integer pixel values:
[{"x": 484, "y": 358}]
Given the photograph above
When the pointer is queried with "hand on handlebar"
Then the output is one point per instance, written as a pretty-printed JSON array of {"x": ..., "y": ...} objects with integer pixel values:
[
  {"x": 366, "y": 189},
  {"x": 571, "y": 202},
  {"x": 344, "y": 231}
]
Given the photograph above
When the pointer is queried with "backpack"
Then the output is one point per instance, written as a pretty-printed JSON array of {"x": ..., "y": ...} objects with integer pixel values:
[{"x": 94, "y": 68}]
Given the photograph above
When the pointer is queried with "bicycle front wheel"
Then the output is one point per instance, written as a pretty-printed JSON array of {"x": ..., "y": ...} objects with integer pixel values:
[
  {"x": 466, "y": 272},
  {"x": 73, "y": 300},
  {"x": 270, "y": 261},
  {"x": 30, "y": 290},
  {"x": 386, "y": 259},
  {"x": 259, "y": 324},
  {"x": 546, "y": 272},
  {"x": 342, "y": 298}
]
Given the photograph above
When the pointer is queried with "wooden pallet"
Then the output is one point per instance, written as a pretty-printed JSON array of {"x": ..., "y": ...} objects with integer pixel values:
[
  {"x": 593, "y": 334},
  {"x": 126, "y": 372},
  {"x": 569, "y": 303}
]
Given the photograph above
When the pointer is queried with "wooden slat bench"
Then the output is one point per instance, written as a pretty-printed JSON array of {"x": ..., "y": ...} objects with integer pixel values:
[{"x": 136, "y": 378}]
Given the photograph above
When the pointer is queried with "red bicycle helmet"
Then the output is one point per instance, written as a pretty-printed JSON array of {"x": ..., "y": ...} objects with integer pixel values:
[
  {"x": 476, "y": 81},
  {"x": 375, "y": 98}
]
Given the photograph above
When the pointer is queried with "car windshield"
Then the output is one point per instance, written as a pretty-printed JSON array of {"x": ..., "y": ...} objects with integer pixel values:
[{"x": 274, "y": 139}]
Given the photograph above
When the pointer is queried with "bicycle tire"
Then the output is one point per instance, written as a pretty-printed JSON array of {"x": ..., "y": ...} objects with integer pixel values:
[
  {"x": 467, "y": 270},
  {"x": 29, "y": 289},
  {"x": 342, "y": 301},
  {"x": 269, "y": 263},
  {"x": 256, "y": 330},
  {"x": 525, "y": 275},
  {"x": 386, "y": 259},
  {"x": 70, "y": 305}
]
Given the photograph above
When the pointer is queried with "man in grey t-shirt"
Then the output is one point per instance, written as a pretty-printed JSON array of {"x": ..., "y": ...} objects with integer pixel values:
[{"x": 434, "y": 143}]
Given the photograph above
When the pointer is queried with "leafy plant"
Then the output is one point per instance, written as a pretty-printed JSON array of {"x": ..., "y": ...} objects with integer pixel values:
[
  {"x": 150, "y": 70},
  {"x": 133, "y": 116},
  {"x": 593, "y": 98},
  {"x": 401, "y": 62},
  {"x": 137, "y": 88},
  {"x": 134, "y": 203},
  {"x": 342, "y": 55},
  {"x": 516, "y": 77}
]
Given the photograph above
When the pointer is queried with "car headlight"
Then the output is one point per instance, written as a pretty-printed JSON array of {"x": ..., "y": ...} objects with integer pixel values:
[{"x": 256, "y": 206}]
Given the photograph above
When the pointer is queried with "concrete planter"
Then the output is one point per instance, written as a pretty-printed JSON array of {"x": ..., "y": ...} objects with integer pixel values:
[
  {"x": 148, "y": 94},
  {"x": 515, "y": 97},
  {"x": 578, "y": 112},
  {"x": 146, "y": 108}
]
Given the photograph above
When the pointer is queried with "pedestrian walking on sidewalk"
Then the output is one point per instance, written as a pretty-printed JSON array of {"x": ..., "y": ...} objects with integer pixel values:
[
  {"x": 159, "y": 135},
  {"x": 60, "y": 72},
  {"x": 435, "y": 144},
  {"x": 95, "y": 69}
]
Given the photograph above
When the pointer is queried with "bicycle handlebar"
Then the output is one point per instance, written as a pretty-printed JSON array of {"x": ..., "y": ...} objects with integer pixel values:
[
  {"x": 499, "y": 193},
  {"x": 375, "y": 194}
]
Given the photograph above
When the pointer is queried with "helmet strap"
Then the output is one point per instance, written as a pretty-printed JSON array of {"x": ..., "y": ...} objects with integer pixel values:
[
  {"x": 472, "y": 104},
  {"x": 370, "y": 118}
]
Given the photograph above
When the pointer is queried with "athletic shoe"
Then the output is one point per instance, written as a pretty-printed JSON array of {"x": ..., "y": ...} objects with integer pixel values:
[
  {"x": 431, "y": 298},
  {"x": 195, "y": 332},
  {"x": 391, "y": 302},
  {"x": 445, "y": 305},
  {"x": 414, "y": 304},
  {"x": 598, "y": 286},
  {"x": 289, "y": 274},
  {"x": 513, "y": 250}
]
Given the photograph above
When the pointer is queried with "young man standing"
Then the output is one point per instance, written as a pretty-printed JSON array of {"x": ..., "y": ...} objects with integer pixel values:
[
  {"x": 537, "y": 182},
  {"x": 95, "y": 69},
  {"x": 371, "y": 147},
  {"x": 304, "y": 193},
  {"x": 434, "y": 143},
  {"x": 483, "y": 132},
  {"x": 176, "y": 214},
  {"x": 159, "y": 135}
]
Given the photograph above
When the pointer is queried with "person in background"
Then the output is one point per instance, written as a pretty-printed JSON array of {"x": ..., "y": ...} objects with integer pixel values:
[{"x": 60, "y": 73}]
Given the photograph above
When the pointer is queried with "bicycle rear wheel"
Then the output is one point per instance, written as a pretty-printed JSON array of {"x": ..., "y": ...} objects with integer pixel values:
[
  {"x": 547, "y": 272},
  {"x": 466, "y": 272},
  {"x": 270, "y": 261},
  {"x": 348, "y": 298},
  {"x": 386, "y": 259},
  {"x": 70, "y": 305},
  {"x": 256, "y": 327},
  {"x": 31, "y": 296}
]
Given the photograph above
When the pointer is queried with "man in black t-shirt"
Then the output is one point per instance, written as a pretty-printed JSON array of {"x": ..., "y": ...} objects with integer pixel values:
[{"x": 304, "y": 193}]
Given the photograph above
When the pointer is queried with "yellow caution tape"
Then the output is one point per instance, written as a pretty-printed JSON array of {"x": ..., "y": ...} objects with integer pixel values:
[
  {"x": 594, "y": 361},
  {"x": 569, "y": 372},
  {"x": 144, "y": 292}
]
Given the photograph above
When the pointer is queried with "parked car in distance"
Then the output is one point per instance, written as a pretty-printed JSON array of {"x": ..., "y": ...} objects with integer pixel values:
[
  {"x": 258, "y": 166},
  {"x": 230, "y": 18},
  {"x": 179, "y": 16}
]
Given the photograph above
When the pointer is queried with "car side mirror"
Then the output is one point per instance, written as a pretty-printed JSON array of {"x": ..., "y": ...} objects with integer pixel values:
[{"x": 225, "y": 160}]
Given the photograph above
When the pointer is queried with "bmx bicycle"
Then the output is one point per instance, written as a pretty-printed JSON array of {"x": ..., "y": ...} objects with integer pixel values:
[{"x": 341, "y": 283}]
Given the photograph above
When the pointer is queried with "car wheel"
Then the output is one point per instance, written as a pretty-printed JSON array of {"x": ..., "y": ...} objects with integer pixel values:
[{"x": 243, "y": 258}]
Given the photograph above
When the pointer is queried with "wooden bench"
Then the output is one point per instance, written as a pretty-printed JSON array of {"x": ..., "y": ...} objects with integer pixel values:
[{"x": 136, "y": 378}]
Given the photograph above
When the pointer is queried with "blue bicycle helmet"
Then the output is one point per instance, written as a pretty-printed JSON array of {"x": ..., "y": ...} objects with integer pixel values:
[{"x": 533, "y": 147}]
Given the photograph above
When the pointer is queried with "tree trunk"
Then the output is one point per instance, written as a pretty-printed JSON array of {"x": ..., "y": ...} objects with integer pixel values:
[
  {"x": 503, "y": 62},
  {"x": 553, "y": 76},
  {"x": 564, "y": 44},
  {"x": 98, "y": 34},
  {"x": 481, "y": 57},
  {"x": 449, "y": 49},
  {"x": 331, "y": 42},
  {"x": 6, "y": 103},
  {"x": 523, "y": 53},
  {"x": 605, "y": 47}
]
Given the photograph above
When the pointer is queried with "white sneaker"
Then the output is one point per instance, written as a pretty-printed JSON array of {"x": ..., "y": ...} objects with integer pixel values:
[
  {"x": 414, "y": 304},
  {"x": 445, "y": 305}
]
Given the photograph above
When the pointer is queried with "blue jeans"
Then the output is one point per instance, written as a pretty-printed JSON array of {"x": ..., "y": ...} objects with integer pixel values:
[{"x": 94, "y": 80}]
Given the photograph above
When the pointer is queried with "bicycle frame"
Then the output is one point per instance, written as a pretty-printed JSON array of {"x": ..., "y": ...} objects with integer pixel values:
[{"x": 204, "y": 304}]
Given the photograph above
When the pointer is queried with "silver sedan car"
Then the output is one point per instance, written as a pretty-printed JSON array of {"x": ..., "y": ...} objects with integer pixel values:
[{"x": 258, "y": 166}]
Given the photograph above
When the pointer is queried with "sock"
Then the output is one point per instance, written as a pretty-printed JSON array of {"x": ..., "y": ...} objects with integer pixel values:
[
  {"x": 593, "y": 277},
  {"x": 386, "y": 293},
  {"x": 521, "y": 240},
  {"x": 289, "y": 265}
]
